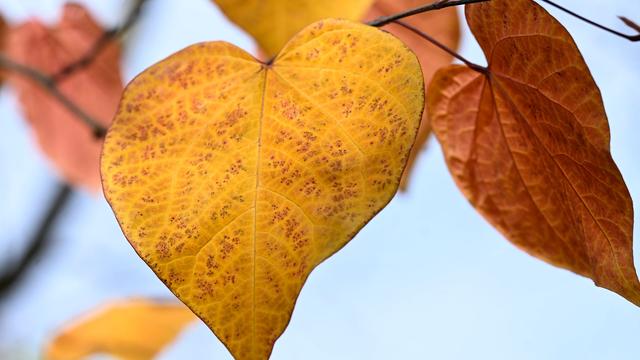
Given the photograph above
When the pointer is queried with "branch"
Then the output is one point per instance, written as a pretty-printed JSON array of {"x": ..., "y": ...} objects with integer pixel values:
[
  {"x": 38, "y": 244},
  {"x": 48, "y": 83},
  {"x": 107, "y": 37},
  {"x": 628, "y": 22},
  {"x": 437, "y": 5}
]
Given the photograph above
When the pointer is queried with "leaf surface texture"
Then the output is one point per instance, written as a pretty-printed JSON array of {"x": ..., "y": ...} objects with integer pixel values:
[
  {"x": 528, "y": 145},
  {"x": 233, "y": 179}
]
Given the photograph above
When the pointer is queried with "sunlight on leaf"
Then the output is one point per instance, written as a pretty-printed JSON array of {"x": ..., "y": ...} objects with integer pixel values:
[
  {"x": 129, "y": 330},
  {"x": 233, "y": 179},
  {"x": 68, "y": 142},
  {"x": 528, "y": 145},
  {"x": 273, "y": 22},
  {"x": 444, "y": 26}
]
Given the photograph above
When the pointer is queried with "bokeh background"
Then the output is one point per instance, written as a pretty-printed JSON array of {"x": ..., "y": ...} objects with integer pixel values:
[{"x": 428, "y": 278}]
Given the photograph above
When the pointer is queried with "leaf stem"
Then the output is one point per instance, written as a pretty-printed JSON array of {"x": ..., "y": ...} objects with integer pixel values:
[
  {"x": 628, "y": 22},
  {"x": 437, "y": 5},
  {"x": 40, "y": 241},
  {"x": 422, "y": 34}
]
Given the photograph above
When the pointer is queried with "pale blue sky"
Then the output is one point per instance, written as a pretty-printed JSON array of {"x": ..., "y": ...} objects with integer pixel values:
[{"x": 428, "y": 278}]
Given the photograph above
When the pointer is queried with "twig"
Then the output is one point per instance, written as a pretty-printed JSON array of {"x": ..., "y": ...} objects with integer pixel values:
[
  {"x": 48, "y": 83},
  {"x": 435, "y": 42},
  {"x": 102, "y": 42},
  {"x": 38, "y": 244},
  {"x": 437, "y": 5},
  {"x": 628, "y": 22}
]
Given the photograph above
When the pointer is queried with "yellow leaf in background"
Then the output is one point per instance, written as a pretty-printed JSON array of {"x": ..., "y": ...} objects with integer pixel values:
[
  {"x": 233, "y": 179},
  {"x": 130, "y": 330},
  {"x": 273, "y": 22}
]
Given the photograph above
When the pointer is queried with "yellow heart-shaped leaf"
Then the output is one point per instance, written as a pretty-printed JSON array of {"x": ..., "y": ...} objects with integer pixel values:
[
  {"x": 273, "y": 22},
  {"x": 233, "y": 179}
]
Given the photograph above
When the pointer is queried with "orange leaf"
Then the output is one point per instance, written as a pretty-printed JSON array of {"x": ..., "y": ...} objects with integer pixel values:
[
  {"x": 67, "y": 141},
  {"x": 131, "y": 330},
  {"x": 528, "y": 145},
  {"x": 3, "y": 38},
  {"x": 444, "y": 26}
]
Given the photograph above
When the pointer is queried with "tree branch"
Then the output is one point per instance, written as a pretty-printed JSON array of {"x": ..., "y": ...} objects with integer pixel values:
[
  {"x": 628, "y": 22},
  {"x": 107, "y": 37},
  {"x": 49, "y": 84},
  {"x": 437, "y": 5},
  {"x": 37, "y": 245},
  {"x": 40, "y": 241}
]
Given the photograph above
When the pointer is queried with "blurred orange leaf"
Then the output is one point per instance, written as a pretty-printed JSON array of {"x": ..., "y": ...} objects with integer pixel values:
[
  {"x": 273, "y": 22},
  {"x": 528, "y": 145},
  {"x": 444, "y": 26},
  {"x": 68, "y": 142},
  {"x": 130, "y": 330},
  {"x": 3, "y": 41},
  {"x": 233, "y": 179}
]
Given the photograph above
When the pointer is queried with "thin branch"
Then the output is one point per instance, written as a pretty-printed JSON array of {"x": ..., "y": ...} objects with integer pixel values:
[
  {"x": 38, "y": 244},
  {"x": 107, "y": 38},
  {"x": 48, "y": 83},
  {"x": 437, "y": 5},
  {"x": 429, "y": 38},
  {"x": 628, "y": 22}
]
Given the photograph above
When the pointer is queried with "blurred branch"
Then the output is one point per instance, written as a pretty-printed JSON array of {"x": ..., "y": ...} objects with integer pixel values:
[
  {"x": 107, "y": 38},
  {"x": 13, "y": 274},
  {"x": 631, "y": 24},
  {"x": 48, "y": 83},
  {"x": 437, "y": 5}
]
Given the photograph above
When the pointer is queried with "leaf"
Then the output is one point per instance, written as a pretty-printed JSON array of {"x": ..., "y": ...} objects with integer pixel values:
[
  {"x": 528, "y": 145},
  {"x": 273, "y": 22},
  {"x": 233, "y": 179},
  {"x": 444, "y": 26},
  {"x": 3, "y": 40},
  {"x": 65, "y": 140},
  {"x": 130, "y": 330}
]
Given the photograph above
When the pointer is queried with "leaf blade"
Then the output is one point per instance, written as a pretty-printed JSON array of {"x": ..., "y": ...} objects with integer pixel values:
[
  {"x": 532, "y": 152},
  {"x": 273, "y": 22},
  {"x": 130, "y": 330},
  {"x": 266, "y": 177}
]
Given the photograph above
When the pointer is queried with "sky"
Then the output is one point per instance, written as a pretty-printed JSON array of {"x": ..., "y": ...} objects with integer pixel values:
[{"x": 428, "y": 278}]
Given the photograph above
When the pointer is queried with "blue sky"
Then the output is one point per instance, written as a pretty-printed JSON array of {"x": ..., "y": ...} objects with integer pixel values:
[{"x": 428, "y": 278}]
